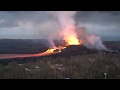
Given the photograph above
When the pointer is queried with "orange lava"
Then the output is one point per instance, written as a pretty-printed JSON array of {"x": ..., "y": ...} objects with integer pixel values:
[
  {"x": 52, "y": 51},
  {"x": 71, "y": 39}
]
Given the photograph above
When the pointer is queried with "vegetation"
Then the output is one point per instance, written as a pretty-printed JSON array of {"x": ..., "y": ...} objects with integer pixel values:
[
  {"x": 90, "y": 66},
  {"x": 98, "y": 65}
]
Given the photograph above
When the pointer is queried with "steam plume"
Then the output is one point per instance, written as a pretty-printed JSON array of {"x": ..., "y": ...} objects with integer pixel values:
[
  {"x": 91, "y": 41},
  {"x": 67, "y": 26},
  {"x": 69, "y": 31}
]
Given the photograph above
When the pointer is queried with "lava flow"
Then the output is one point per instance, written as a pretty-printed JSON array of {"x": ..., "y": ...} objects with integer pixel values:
[
  {"x": 52, "y": 51},
  {"x": 68, "y": 33},
  {"x": 72, "y": 41}
]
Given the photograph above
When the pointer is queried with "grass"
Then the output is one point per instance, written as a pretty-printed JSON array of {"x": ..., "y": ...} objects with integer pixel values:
[{"x": 87, "y": 66}]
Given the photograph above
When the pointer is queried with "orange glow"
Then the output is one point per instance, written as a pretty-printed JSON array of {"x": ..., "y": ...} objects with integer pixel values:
[
  {"x": 54, "y": 50},
  {"x": 61, "y": 48},
  {"x": 70, "y": 37},
  {"x": 50, "y": 51},
  {"x": 72, "y": 40}
]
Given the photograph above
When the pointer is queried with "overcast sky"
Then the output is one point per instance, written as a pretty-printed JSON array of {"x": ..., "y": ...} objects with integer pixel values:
[{"x": 38, "y": 24}]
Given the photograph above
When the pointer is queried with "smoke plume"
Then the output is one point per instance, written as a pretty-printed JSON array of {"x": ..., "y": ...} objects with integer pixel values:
[
  {"x": 69, "y": 31},
  {"x": 91, "y": 41},
  {"x": 67, "y": 25}
]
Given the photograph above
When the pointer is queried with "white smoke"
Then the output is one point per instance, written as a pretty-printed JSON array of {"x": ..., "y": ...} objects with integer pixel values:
[
  {"x": 91, "y": 41},
  {"x": 68, "y": 28},
  {"x": 67, "y": 24},
  {"x": 64, "y": 18}
]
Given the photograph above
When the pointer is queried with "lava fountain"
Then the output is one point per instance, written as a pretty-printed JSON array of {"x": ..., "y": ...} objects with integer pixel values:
[
  {"x": 67, "y": 25},
  {"x": 70, "y": 40}
]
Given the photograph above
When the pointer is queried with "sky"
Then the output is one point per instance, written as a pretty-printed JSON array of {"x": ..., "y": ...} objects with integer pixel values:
[{"x": 40, "y": 25}]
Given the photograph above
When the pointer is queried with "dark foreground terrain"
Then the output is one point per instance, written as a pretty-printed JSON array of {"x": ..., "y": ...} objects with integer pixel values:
[{"x": 75, "y": 62}]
